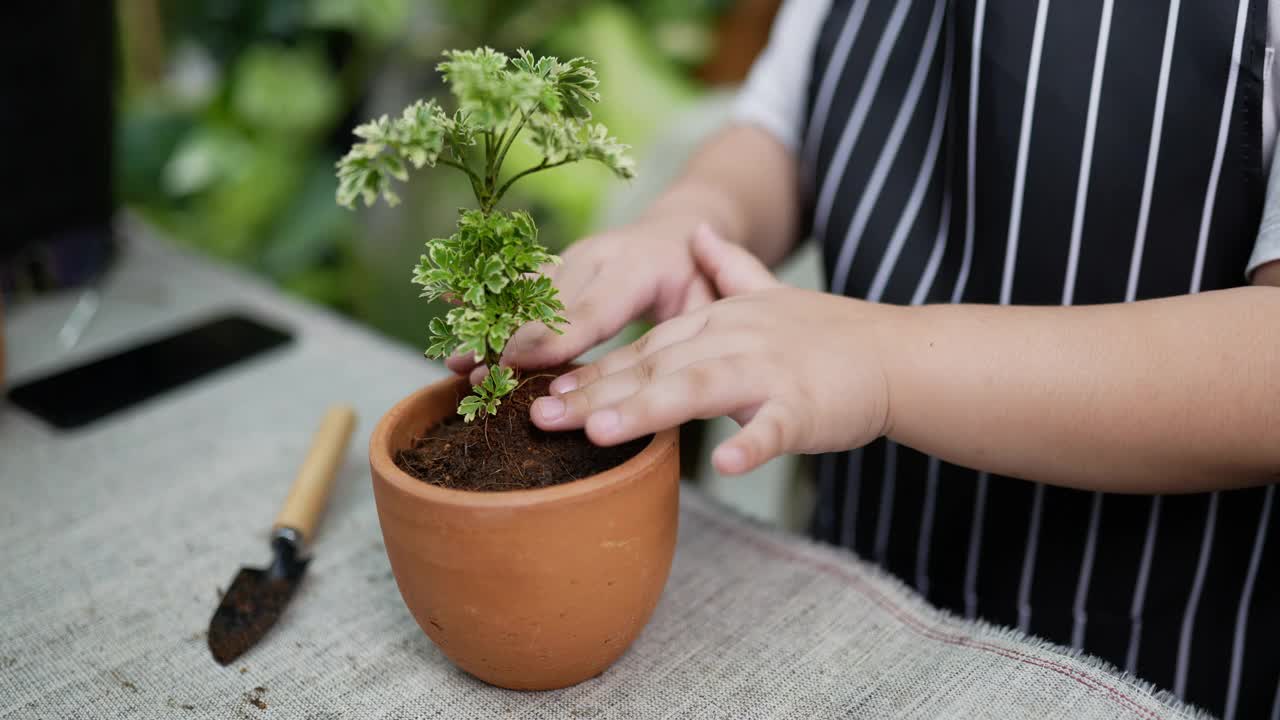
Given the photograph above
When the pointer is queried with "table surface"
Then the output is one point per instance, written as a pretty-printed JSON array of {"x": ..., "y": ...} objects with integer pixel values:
[{"x": 117, "y": 538}]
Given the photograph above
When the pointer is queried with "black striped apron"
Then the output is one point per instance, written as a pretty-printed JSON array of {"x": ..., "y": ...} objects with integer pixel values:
[{"x": 1051, "y": 152}]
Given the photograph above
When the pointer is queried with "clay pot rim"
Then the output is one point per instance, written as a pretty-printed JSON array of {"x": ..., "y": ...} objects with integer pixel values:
[{"x": 380, "y": 456}]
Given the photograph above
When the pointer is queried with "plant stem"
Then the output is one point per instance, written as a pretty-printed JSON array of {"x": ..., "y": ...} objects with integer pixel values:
[
  {"x": 488, "y": 197},
  {"x": 507, "y": 141},
  {"x": 470, "y": 173},
  {"x": 476, "y": 187},
  {"x": 544, "y": 165},
  {"x": 491, "y": 157}
]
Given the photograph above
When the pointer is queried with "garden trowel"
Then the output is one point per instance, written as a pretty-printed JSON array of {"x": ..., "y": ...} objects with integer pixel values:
[{"x": 257, "y": 596}]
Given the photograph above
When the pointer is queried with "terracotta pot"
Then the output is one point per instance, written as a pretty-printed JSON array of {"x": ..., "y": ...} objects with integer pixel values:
[{"x": 526, "y": 589}]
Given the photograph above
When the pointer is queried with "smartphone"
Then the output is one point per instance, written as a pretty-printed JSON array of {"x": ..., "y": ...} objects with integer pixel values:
[{"x": 91, "y": 391}]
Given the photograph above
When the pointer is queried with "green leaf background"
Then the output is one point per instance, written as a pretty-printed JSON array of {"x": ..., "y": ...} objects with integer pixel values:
[{"x": 232, "y": 113}]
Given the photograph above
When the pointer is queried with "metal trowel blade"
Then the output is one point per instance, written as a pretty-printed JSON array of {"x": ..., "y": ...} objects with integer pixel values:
[{"x": 250, "y": 607}]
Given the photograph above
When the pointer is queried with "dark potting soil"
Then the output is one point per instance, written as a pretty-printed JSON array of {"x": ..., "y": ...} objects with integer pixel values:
[
  {"x": 251, "y": 606},
  {"x": 507, "y": 451}
]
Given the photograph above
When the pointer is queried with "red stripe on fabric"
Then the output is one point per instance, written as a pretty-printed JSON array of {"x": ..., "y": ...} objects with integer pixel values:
[{"x": 919, "y": 627}]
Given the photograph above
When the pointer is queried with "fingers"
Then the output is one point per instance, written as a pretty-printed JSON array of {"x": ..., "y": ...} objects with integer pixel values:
[
  {"x": 659, "y": 338},
  {"x": 699, "y": 295},
  {"x": 770, "y": 433},
  {"x": 570, "y": 283},
  {"x": 461, "y": 363},
  {"x": 574, "y": 407},
  {"x": 733, "y": 270},
  {"x": 702, "y": 390},
  {"x": 604, "y": 306},
  {"x": 590, "y": 321},
  {"x": 631, "y": 406},
  {"x": 679, "y": 294},
  {"x": 464, "y": 363},
  {"x": 570, "y": 410},
  {"x": 600, "y": 299},
  {"x": 596, "y": 309}
]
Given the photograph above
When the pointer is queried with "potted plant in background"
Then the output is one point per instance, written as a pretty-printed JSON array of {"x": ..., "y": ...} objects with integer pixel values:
[{"x": 531, "y": 559}]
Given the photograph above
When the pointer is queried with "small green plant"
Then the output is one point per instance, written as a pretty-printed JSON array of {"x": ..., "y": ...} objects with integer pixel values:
[{"x": 491, "y": 267}]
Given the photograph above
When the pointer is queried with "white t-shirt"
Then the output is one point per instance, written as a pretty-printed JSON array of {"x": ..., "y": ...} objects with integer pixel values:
[{"x": 773, "y": 98}]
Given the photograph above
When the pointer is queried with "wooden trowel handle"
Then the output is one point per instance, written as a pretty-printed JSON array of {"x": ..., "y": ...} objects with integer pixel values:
[{"x": 310, "y": 491}]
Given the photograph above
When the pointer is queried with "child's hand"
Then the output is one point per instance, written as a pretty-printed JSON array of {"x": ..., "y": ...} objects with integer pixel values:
[
  {"x": 605, "y": 282},
  {"x": 798, "y": 369}
]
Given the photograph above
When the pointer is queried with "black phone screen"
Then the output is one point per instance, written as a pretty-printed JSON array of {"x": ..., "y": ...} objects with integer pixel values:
[{"x": 82, "y": 394}]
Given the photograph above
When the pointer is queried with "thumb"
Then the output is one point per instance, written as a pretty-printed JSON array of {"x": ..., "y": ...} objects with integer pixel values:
[
  {"x": 768, "y": 434},
  {"x": 731, "y": 268}
]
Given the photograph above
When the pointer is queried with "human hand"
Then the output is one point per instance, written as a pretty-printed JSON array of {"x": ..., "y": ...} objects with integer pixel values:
[
  {"x": 605, "y": 282},
  {"x": 799, "y": 370}
]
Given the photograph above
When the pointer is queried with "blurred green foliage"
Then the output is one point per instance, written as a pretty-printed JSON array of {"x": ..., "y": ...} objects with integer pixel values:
[{"x": 234, "y": 112}]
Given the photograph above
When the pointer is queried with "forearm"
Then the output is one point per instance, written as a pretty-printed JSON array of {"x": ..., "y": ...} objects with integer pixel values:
[
  {"x": 743, "y": 182},
  {"x": 1173, "y": 395}
]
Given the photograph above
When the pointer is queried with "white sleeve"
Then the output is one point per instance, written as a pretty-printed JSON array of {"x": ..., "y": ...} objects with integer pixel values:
[
  {"x": 773, "y": 96},
  {"x": 1267, "y": 247}
]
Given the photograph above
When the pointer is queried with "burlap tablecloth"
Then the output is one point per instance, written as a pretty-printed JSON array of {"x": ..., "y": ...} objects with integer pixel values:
[{"x": 115, "y": 541}]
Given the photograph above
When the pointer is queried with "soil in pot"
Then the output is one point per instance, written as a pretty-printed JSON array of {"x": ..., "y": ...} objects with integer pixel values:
[{"x": 507, "y": 451}]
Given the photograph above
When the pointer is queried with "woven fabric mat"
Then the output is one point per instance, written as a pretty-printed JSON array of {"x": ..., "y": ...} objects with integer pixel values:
[{"x": 116, "y": 539}]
